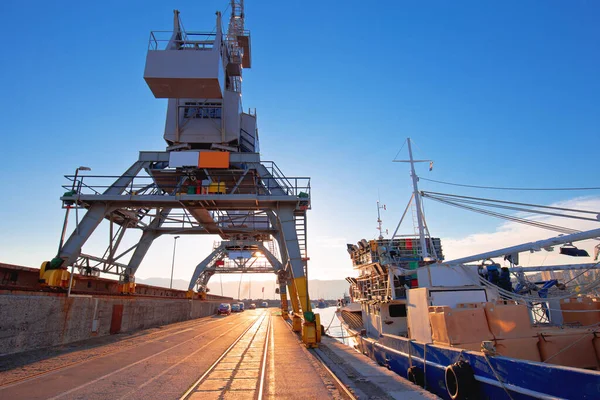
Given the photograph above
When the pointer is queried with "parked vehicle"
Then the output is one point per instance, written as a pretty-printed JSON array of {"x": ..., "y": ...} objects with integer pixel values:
[
  {"x": 264, "y": 304},
  {"x": 252, "y": 306},
  {"x": 242, "y": 306},
  {"x": 235, "y": 307},
  {"x": 224, "y": 308}
]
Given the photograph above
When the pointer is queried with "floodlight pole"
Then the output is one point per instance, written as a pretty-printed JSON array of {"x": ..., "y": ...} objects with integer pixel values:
[{"x": 173, "y": 262}]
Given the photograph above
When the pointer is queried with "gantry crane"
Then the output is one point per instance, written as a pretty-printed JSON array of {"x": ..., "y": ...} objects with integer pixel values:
[{"x": 209, "y": 180}]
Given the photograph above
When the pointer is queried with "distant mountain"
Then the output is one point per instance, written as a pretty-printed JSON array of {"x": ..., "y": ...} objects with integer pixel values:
[{"x": 329, "y": 290}]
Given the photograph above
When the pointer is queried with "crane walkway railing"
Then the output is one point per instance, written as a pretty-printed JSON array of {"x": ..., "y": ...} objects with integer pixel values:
[{"x": 223, "y": 184}]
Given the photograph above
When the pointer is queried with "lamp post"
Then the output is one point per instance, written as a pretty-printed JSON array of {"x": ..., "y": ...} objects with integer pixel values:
[
  {"x": 173, "y": 263},
  {"x": 64, "y": 229},
  {"x": 77, "y": 172}
]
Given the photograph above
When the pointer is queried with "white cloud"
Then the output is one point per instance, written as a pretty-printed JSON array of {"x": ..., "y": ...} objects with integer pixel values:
[
  {"x": 330, "y": 241},
  {"x": 512, "y": 233}
]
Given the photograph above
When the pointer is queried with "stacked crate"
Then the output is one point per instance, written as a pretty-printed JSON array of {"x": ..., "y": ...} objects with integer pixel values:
[
  {"x": 571, "y": 347},
  {"x": 579, "y": 305},
  {"x": 508, "y": 325},
  {"x": 514, "y": 335},
  {"x": 464, "y": 327}
]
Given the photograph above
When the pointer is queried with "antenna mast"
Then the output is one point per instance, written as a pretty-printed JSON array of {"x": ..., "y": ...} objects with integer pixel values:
[
  {"x": 235, "y": 33},
  {"x": 379, "y": 224}
]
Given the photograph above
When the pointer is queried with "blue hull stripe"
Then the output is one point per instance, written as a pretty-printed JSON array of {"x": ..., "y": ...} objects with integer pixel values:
[{"x": 482, "y": 379}]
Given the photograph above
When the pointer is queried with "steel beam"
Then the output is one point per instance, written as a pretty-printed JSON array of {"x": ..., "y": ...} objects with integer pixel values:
[
  {"x": 531, "y": 246},
  {"x": 277, "y": 266},
  {"x": 146, "y": 241},
  {"x": 211, "y": 202},
  {"x": 212, "y": 257},
  {"x": 568, "y": 267}
]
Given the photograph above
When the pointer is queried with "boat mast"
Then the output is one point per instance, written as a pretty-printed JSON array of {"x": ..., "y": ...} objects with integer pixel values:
[{"x": 417, "y": 199}]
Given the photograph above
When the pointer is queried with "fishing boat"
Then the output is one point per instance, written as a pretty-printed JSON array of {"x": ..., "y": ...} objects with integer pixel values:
[{"x": 463, "y": 329}]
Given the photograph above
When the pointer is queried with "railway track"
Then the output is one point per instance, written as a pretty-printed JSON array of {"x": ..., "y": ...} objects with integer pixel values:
[
  {"x": 342, "y": 388},
  {"x": 241, "y": 367}
]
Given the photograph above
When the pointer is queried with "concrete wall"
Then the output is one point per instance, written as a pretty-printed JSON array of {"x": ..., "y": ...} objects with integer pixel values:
[{"x": 33, "y": 321}]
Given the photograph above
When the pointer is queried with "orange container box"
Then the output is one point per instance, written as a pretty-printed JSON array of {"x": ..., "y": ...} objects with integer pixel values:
[
  {"x": 521, "y": 348},
  {"x": 508, "y": 320},
  {"x": 213, "y": 159},
  {"x": 458, "y": 325},
  {"x": 578, "y": 355},
  {"x": 581, "y": 304}
]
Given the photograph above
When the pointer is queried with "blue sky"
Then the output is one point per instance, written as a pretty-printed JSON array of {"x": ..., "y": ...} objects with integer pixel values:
[{"x": 497, "y": 93}]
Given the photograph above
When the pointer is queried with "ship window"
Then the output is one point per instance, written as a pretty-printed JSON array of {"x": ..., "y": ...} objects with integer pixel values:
[
  {"x": 202, "y": 110},
  {"x": 397, "y": 310}
]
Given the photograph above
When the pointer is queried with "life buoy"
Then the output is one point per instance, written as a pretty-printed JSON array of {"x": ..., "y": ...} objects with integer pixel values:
[
  {"x": 416, "y": 376},
  {"x": 460, "y": 381}
]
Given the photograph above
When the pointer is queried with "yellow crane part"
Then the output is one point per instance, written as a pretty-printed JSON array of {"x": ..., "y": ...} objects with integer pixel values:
[
  {"x": 311, "y": 327},
  {"x": 284, "y": 306},
  {"x": 58, "y": 278},
  {"x": 127, "y": 288}
]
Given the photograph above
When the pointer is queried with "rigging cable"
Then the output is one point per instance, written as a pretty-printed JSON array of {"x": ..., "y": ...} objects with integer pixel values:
[
  {"x": 508, "y": 188},
  {"x": 527, "y": 210},
  {"x": 403, "y": 144},
  {"x": 510, "y": 202},
  {"x": 537, "y": 224}
]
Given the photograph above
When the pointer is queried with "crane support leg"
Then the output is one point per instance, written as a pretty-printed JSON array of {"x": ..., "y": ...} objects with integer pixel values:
[
  {"x": 275, "y": 221},
  {"x": 296, "y": 320},
  {"x": 300, "y": 284},
  {"x": 72, "y": 247}
]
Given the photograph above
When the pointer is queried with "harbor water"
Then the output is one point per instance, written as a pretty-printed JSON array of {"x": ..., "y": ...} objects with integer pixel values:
[{"x": 332, "y": 324}]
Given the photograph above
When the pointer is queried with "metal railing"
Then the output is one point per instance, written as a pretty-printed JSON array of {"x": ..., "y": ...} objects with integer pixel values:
[
  {"x": 159, "y": 40},
  {"x": 226, "y": 183}
]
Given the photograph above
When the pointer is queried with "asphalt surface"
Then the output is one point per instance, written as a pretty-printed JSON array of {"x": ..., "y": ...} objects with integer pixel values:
[{"x": 216, "y": 357}]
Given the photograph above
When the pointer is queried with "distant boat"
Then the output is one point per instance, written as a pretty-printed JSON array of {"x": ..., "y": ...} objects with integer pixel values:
[{"x": 322, "y": 304}]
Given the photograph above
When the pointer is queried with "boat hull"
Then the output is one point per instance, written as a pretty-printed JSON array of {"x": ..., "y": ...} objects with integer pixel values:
[{"x": 522, "y": 379}]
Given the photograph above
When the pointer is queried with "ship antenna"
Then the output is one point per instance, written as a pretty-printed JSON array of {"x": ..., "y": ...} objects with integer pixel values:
[
  {"x": 417, "y": 198},
  {"x": 379, "y": 223}
]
